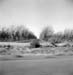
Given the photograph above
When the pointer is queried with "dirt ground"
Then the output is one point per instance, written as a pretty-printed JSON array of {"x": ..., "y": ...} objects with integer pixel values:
[{"x": 62, "y": 65}]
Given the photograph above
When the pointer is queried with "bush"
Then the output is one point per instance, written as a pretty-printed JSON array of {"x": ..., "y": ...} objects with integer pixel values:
[{"x": 35, "y": 44}]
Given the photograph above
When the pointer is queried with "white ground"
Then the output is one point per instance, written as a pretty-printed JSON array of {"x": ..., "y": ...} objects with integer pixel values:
[{"x": 14, "y": 43}]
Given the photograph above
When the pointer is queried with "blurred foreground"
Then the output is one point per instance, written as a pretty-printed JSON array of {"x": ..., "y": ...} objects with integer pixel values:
[{"x": 56, "y": 66}]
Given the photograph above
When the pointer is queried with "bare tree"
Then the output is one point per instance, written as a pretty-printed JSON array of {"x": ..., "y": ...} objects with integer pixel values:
[
  {"x": 46, "y": 33},
  {"x": 18, "y": 33},
  {"x": 57, "y": 37},
  {"x": 68, "y": 34}
]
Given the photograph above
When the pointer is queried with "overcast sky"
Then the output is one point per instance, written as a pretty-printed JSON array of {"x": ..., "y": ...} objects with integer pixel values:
[{"x": 35, "y": 14}]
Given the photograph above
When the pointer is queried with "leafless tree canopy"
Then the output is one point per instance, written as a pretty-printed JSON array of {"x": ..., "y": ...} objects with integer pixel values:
[
  {"x": 18, "y": 33},
  {"x": 46, "y": 33}
]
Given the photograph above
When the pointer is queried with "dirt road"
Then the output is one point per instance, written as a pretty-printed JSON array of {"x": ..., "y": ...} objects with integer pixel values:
[{"x": 55, "y": 66}]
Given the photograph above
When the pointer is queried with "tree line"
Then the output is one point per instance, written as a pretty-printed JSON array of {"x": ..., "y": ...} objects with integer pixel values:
[
  {"x": 48, "y": 34},
  {"x": 21, "y": 33}
]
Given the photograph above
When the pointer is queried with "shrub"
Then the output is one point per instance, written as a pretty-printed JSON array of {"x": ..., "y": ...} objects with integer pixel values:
[{"x": 35, "y": 44}]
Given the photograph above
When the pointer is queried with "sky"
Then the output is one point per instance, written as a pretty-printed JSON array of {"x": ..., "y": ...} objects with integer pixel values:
[{"x": 36, "y": 14}]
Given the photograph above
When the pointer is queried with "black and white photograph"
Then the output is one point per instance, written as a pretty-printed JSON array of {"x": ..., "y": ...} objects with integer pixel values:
[{"x": 36, "y": 37}]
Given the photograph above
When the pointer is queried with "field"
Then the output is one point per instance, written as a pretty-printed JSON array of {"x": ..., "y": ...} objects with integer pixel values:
[
  {"x": 20, "y": 59},
  {"x": 22, "y": 49}
]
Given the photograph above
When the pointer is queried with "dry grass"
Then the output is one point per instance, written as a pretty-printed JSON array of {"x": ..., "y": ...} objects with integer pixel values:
[{"x": 19, "y": 49}]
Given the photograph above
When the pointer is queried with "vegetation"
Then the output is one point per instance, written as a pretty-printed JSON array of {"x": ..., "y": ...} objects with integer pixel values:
[
  {"x": 35, "y": 44},
  {"x": 20, "y": 33},
  {"x": 68, "y": 35},
  {"x": 48, "y": 34},
  {"x": 48, "y": 42}
]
